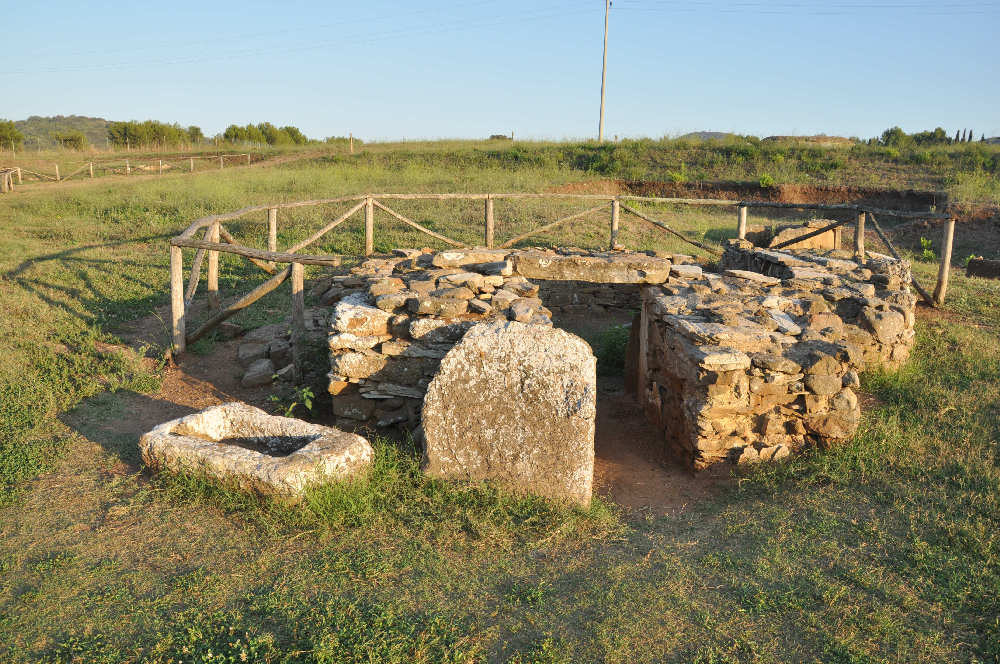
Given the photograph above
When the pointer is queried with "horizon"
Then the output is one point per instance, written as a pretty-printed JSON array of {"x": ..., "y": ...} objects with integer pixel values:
[{"x": 467, "y": 70}]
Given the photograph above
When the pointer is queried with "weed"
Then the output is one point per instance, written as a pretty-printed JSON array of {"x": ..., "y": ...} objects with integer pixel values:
[{"x": 927, "y": 252}]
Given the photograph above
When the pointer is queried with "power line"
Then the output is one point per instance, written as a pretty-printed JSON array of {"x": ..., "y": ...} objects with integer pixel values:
[{"x": 438, "y": 28}]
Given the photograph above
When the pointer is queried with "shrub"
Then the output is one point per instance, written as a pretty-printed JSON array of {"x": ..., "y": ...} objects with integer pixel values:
[{"x": 766, "y": 181}]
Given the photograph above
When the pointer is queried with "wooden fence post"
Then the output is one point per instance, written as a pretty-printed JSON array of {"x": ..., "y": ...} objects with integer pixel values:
[
  {"x": 942, "y": 283},
  {"x": 351, "y": 139},
  {"x": 614, "y": 223},
  {"x": 369, "y": 226},
  {"x": 128, "y": 170},
  {"x": 192, "y": 164},
  {"x": 298, "y": 318},
  {"x": 159, "y": 166},
  {"x": 488, "y": 214},
  {"x": 91, "y": 170},
  {"x": 177, "y": 322},
  {"x": 248, "y": 158},
  {"x": 859, "y": 236},
  {"x": 4, "y": 178},
  {"x": 57, "y": 172},
  {"x": 272, "y": 231},
  {"x": 19, "y": 181},
  {"x": 741, "y": 222},
  {"x": 221, "y": 165},
  {"x": 213, "y": 270}
]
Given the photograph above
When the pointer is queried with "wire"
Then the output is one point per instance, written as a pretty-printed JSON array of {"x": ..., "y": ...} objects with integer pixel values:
[{"x": 438, "y": 28}]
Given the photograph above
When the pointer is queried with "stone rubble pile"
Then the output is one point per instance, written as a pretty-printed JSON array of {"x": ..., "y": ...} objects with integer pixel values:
[
  {"x": 394, "y": 319},
  {"x": 265, "y": 353},
  {"x": 761, "y": 360}
]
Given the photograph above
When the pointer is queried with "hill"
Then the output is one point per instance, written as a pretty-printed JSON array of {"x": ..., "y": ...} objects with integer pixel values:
[{"x": 38, "y": 131}]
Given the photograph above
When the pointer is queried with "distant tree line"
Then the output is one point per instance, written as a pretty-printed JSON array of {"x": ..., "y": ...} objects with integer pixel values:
[
  {"x": 265, "y": 132},
  {"x": 152, "y": 133},
  {"x": 897, "y": 138}
]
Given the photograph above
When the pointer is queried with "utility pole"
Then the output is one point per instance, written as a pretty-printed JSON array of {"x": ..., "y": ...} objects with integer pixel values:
[{"x": 604, "y": 70}]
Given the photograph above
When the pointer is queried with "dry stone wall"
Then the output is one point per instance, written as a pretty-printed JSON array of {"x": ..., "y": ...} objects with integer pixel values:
[
  {"x": 394, "y": 319},
  {"x": 763, "y": 359},
  {"x": 753, "y": 362}
]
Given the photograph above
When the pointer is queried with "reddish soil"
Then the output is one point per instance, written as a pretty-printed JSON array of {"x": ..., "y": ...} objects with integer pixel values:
[
  {"x": 907, "y": 199},
  {"x": 630, "y": 469}
]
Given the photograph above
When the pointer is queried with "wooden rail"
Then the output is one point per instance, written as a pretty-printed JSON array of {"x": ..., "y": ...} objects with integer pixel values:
[
  {"x": 217, "y": 240},
  {"x": 128, "y": 166}
]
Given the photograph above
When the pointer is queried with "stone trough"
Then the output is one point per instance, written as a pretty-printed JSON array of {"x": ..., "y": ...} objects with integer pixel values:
[
  {"x": 753, "y": 362},
  {"x": 257, "y": 452}
]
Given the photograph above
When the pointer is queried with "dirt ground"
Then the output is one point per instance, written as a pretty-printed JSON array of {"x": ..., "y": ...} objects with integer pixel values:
[{"x": 629, "y": 468}]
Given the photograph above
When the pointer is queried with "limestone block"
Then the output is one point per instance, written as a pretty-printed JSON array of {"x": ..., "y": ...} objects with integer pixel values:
[
  {"x": 515, "y": 403},
  {"x": 260, "y": 372},
  {"x": 354, "y": 314},
  {"x": 235, "y": 442}
]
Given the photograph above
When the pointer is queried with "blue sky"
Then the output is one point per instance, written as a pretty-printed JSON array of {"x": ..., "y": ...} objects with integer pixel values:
[{"x": 393, "y": 70}]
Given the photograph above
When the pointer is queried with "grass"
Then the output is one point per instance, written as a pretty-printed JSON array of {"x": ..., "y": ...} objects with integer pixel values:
[{"x": 884, "y": 549}]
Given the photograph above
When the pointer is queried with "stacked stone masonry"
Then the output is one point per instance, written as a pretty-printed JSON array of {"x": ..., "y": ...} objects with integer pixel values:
[
  {"x": 752, "y": 363},
  {"x": 394, "y": 319},
  {"x": 762, "y": 360}
]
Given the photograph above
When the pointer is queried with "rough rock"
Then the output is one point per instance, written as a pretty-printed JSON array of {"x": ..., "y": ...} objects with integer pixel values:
[
  {"x": 529, "y": 423},
  {"x": 260, "y": 372}
]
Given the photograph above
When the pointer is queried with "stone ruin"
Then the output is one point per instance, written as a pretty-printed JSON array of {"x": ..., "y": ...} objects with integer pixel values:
[{"x": 752, "y": 362}]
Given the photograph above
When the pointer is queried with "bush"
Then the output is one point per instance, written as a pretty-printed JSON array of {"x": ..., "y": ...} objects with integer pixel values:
[{"x": 766, "y": 181}]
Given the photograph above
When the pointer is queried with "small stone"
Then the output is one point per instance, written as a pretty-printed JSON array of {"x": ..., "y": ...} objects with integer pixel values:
[
  {"x": 755, "y": 277},
  {"x": 502, "y": 298},
  {"x": 459, "y": 293},
  {"x": 348, "y": 341},
  {"x": 462, "y": 258},
  {"x": 785, "y": 322},
  {"x": 776, "y": 363},
  {"x": 478, "y": 306},
  {"x": 444, "y": 307},
  {"x": 354, "y": 314},
  {"x": 433, "y": 330},
  {"x": 353, "y": 407},
  {"x": 286, "y": 374},
  {"x": 523, "y": 308},
  {"x": 470, "y": 280},
  {"x": 851, "y": 379},
  {"x": 249, "y": 353},
  {"x": 280, "y": 352},
  {"x": 390, "y": 302},
  {"x": 495, "y": 268},
  {"x": 823, "y": 384},
  {"x": 520, "y": 286},
  {"x": 686, "y": 271},
  {"x": 748, "y": 455},
  {"x": 385, "y": 287},
  {"x": 845, "y": 400},
  {"x": 261, "y": 372}
]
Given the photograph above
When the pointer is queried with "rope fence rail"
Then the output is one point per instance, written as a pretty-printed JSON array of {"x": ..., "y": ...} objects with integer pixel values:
[{"x": 216, "y": 239}]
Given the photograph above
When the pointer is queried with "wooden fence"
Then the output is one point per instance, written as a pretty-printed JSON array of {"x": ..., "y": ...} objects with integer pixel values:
[
  {"x": 216, "y": 239},
  {"x": 128, "y": 167}
]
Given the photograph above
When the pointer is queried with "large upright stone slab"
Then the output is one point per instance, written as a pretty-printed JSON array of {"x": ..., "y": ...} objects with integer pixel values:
[{"x": 515, "y": 403}]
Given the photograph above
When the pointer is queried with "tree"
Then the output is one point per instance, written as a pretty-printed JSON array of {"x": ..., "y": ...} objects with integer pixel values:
[
  {"x": 195, "y": 135},
  {"x": 297, "y": 136},
  {"x": 9, "y": 135},
  {"x": 894, "y": 137},
  {"x": 74, "y": 140}
]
